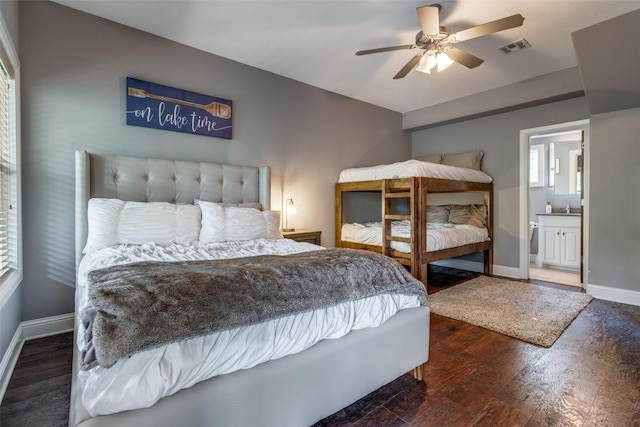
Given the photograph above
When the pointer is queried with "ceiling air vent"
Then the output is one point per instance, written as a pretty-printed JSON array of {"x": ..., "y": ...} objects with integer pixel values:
[{"x": 514, "y": 46}]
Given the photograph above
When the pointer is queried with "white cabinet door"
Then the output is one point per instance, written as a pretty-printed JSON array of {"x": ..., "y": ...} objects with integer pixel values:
[
  {"x": 550, "y": 245},
  {"x": 570, "y": 247}
]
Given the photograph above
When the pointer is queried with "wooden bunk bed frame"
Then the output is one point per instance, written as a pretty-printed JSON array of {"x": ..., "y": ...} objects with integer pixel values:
[{"x": 415, "y": 190}]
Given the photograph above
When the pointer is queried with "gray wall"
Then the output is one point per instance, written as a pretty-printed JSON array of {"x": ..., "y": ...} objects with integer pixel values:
[
  {"x": 614, "y": 244},
  {"x": 499, "y": 137},
  {"x": 73, "y": 66}
]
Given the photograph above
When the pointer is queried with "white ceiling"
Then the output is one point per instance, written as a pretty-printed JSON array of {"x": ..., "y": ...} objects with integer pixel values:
[{"x": 314, "y": 42}]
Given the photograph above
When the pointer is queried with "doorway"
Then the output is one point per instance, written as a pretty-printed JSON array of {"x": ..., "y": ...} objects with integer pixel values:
[{"x": 554, "y": 203}]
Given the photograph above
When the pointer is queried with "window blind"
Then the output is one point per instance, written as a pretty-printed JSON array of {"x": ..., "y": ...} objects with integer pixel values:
[{"x": 5, "y": 170}]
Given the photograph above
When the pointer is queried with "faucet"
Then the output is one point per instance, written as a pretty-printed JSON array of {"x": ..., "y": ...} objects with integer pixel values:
[{"x": 568, "y": 208}]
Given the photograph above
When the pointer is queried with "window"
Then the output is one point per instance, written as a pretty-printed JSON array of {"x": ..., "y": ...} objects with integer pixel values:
[
  {"x": 536, "y": 165},
  {"x": 5, "y": 172},
  {"x": 10, "y": 263}
]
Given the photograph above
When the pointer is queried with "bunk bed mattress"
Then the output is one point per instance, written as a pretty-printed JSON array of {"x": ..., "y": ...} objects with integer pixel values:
[
  {"x": 439, "y": 236},
  {"x": 411, "y": 168},
  {"x": 144, "y": 378}
]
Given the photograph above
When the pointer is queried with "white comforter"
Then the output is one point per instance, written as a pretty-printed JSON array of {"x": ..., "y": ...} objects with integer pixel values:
[
  {"x": 439, "y": 236},
  {"x": 146, "y": 377}
]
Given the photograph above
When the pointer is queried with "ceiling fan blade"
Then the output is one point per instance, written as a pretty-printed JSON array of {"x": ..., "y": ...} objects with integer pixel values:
[
  {"x": 464, "y": 58},
  {"x": 385, "y": 49},
  {"x": 488, "y": 28},
  {"x": 429, "y": 19},
  {"x": 408, "y": 67}
]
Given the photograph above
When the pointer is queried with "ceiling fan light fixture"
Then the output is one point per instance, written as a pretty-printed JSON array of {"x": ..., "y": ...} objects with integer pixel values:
[
  {"x": 443, "y": 61},
  {"x": 427, "y": 62}
]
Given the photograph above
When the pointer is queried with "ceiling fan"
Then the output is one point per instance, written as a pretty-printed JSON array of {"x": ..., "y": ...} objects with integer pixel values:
[{"x": 436, "y": 42}]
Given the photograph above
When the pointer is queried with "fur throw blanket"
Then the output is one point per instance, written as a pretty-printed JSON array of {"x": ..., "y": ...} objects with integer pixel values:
[{"x": 145, "y": 305}]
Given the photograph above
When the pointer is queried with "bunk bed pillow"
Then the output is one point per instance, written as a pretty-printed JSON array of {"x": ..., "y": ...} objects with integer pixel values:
[
  {"x": 438, "y": 214},
  {"x": 475, "y": 215},
  {"x": 468, "y": 159},
  {"x": 434, "y": 158}
]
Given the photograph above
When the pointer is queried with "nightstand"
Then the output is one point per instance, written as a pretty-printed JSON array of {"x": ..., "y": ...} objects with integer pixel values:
[{"x": 302, "y": 235}]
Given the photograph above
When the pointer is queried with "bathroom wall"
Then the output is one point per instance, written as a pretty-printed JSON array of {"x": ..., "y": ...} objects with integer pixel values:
[{"x": 540, "y": 196}]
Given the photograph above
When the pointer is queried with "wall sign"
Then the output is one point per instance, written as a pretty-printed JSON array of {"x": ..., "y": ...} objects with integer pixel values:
[{"x": 156, "y": 106}]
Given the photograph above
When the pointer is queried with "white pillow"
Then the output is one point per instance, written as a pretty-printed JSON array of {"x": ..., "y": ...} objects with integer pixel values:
[
  {"x": 229, "y": 223},
  {"x": 244, "y": 224},
  {"x": 102, "y": 217},
  {"x": 187, "y": 223},
  {"x": 273, "y": 224},
  {"x": 213, "y": 222},
  {"x": 141, "y": 222},
  {"x": 112, "y": 222}
]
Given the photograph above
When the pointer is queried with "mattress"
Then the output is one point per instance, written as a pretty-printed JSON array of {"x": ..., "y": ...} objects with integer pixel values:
[
  {"x": 439, "y": 236},
  {"x": 410, "y": 168},
  {"x": 148, "y": 376}
]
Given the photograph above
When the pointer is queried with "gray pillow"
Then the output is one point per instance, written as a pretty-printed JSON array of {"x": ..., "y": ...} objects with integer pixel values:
[
  {"x": 433, "y": 158},
  {"x": 438, "y": 214},
  {"x": 468, "y": 159},
  {"x": 251, "y": 205},
  {"x": 475, "y": 215},
  {"x": 257, "y": 206}
]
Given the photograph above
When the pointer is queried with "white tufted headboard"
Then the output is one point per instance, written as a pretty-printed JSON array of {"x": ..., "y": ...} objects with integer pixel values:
[{"x": 145, "y": 179}]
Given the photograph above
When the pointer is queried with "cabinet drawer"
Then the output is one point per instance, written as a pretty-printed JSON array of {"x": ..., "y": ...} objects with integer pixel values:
[{"x": 301, "y": 235}]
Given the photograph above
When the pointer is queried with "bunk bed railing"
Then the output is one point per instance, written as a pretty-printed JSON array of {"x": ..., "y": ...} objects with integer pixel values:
[{"x": 396, "y": 189}]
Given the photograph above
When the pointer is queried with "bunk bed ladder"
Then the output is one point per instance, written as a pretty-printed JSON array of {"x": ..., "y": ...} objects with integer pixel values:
[{"x": 394, "y": 189}]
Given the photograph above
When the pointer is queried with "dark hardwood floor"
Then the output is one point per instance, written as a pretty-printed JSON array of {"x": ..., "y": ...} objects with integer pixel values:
[
  {"x": 474, "y": 377},
  {"x": 38, "y": 394}
]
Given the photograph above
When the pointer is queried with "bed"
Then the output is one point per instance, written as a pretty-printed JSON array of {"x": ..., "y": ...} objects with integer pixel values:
[
  {"x": 294, "y": 386},
  {"x": 398, "y": 222}
]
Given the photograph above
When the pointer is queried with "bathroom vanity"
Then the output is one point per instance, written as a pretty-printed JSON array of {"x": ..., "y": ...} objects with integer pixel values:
[{"x": 559, "y": 240}]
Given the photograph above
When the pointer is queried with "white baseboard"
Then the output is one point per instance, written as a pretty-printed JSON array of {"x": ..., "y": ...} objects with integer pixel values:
[
  {"x": 26, "y": 331},
  {"x": 10, "y": 359},
  {"x": 47, "y": 326},
  {"x": 504, "y": 271},
  {"x": 607, "y": 293}
]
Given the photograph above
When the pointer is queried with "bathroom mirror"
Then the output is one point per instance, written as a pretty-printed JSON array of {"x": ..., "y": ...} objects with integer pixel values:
[{"x": 566, "y": 167}]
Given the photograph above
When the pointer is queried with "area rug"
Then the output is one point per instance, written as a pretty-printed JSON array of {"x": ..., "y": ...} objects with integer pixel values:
[{"x": 532, "y": 313}]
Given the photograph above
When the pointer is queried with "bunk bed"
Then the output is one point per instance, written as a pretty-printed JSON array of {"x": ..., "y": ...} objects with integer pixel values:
[{"x": 407, "y": 185}]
